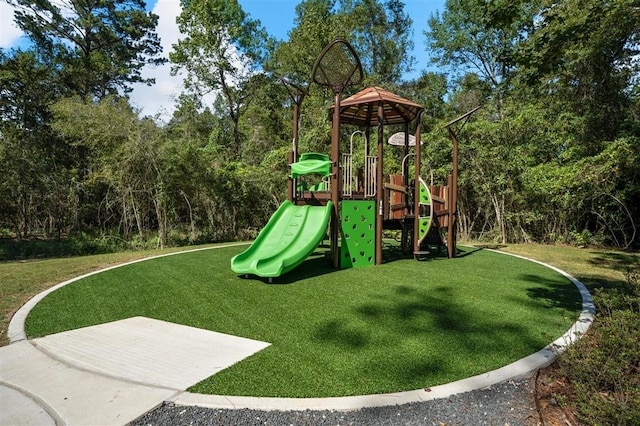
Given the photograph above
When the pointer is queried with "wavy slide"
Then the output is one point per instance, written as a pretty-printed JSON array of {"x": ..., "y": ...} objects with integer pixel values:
[{"x": 290, "y": 236}]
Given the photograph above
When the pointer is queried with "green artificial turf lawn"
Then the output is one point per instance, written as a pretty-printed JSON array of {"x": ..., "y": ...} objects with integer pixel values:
[{"x": 399, "y": 326}]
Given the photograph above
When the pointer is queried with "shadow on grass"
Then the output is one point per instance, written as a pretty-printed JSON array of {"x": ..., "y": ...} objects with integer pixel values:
[
  {"x": 556, "y": 293},
  {"x": 431, "y": 330},
  {"x": 493, "y": 246},
  {"x": 319, "y": 263},
  {"x": 616, "y": 261},
  {"x": 394, "y": 253},
  {"x": 627, "y": 264},
  {"x": 467, "y": 251},
  {"x": 337, "y": 333},
  {"x": 38, "y": 248}
]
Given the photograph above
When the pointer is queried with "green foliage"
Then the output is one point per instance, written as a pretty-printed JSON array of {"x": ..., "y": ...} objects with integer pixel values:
[
  {"x": 266, "y": 125},
  {"x": 585, "y": 52},
  {"x": 480, "y": 35},
  {"x": 553, "y": 155},
  {"x": 380, "y": 32},
  {"x": 604, "y": 369},
  {"x": 428, "y": 90},
  {"x": 98, "y": 47},
  {"x": 315, "y": 25},
  {"x": 125, "y": 163},
  {"x": 220, "y": 41},
  {"x": 72, "y": 245},
  {"x": 604, "y": 366},
  {"x": 597, "y": 190}
]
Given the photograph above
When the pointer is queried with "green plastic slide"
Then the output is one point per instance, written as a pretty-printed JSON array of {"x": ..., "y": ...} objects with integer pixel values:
[{"x": 292, "y": 234}]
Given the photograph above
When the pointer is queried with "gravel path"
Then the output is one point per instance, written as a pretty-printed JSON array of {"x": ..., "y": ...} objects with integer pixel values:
[{"x": 509, "y": 403}]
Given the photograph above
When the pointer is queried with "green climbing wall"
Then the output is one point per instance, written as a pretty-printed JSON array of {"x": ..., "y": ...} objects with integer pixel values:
[{"x": 358, "y": 224}]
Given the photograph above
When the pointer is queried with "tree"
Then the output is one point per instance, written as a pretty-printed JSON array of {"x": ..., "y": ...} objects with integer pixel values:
[
  {"x": 381, "y": 33},
  {"x": 85, "y": 48},
  {"x": 33, "y": 191},
  {"x": 100, "y": 46},
  {"x": 127, "y": 166},
  {"x": 481, "y": 36},
  {"x": 582, "y": 60},
  {"x": 315, "y": 25},
  {"x": 585, "y": 53},
  {"x": 428, "y": 90},
  {"x": 221, "y": 50}
]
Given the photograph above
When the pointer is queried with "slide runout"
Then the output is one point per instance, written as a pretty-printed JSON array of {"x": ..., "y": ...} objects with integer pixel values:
[
  {"x": 285, "y": 240},
  {"x": 290, "y": 236}
]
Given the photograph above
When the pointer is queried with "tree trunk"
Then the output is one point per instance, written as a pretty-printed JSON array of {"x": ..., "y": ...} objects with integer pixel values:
[{"x": 498, "y": 207}]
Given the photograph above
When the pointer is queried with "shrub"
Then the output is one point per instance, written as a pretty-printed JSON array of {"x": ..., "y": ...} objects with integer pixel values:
[{"x": 604, "y": 366}]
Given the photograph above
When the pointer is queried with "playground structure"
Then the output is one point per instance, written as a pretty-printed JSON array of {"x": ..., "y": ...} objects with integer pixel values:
[{"x": 356, "y": 205}]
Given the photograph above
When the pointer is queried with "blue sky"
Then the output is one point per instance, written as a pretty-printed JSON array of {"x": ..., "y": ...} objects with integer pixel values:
[{"x": 277, "y": 16}]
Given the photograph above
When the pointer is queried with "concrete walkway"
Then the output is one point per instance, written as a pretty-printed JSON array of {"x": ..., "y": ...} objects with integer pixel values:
[
  {"x": 53, "y": 392},
  {"x": 111, "y": 374}
]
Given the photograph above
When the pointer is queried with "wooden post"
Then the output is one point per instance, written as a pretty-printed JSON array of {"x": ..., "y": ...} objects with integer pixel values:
[
  {"x": 335, "y": 181},
  {"x": 297, "y": 95},
  {"x": 453, "y": 184},
  {"x": 290, "y": 181},
  {"x": 406, "y": 196},
  {"x": 379, "y": 186},
  {"x": 453, "y": 199},
  {"x": 416, "y": 187},
  {"x": 367, "y": 133},
  {"x": 405, "y": 152},
  {"x": 296, "y": 123}
]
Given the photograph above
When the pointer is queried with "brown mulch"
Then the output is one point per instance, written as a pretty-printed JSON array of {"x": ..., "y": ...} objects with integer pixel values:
[{"x": 553, "y": 398}]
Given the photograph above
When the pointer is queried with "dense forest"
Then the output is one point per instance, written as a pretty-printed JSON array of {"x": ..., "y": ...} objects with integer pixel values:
[{"x": 552, "y": 156}]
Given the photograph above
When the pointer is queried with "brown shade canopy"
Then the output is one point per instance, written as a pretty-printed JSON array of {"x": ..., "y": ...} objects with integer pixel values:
[{"x": 361, "y": 109}]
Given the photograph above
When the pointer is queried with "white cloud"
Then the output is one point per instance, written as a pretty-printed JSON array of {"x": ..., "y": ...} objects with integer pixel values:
[
  {"x": 9, "y": 31},
  {"x": 150, "y": 100}
]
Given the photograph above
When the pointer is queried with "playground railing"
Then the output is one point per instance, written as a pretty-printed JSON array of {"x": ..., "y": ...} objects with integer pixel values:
[
  {"x": 370, "y": 175},
  {"x": 347, "y": 175}
]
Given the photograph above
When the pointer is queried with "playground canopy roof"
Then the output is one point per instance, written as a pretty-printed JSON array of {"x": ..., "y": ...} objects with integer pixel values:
[{"x": 361, "y": 109}]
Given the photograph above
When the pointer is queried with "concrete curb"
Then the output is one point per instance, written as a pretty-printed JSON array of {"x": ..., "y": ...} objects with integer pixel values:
[{"x": 32, "y": 408}]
